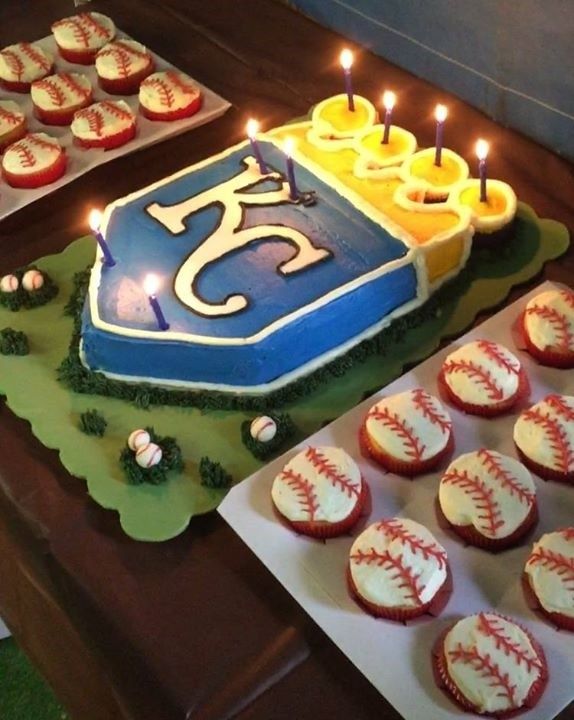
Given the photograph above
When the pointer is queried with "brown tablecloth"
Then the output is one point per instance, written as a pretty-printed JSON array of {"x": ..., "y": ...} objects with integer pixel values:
[{"x": 197, "y": 627}]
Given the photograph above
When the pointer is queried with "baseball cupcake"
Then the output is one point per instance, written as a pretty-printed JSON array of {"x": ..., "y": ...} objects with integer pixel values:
[
  {"x": 21, "y": 64},
  {"x": 104, "y": 125},
  {"x": 488, "y": 499},
  {"x": 490, "y": 665},
  {"x": 36, "y": 160},
  {"x": 169, "y": 95},
  {"x": 409, "y": 433},
  {"x": 549, "y": 573},
  {"x": 483, "y": 378},
  {"x": 57, "y": 97},
  {"x": 122, "y": 65},
  {"x": 544, "y": 437},
  {"x": 548, "y": 328},
  {"x": 81, "y": 36},
  {"x": 396, "y": 569},
  {"x": 12, "y": 123},
  {"x": 320, "y": 492}
]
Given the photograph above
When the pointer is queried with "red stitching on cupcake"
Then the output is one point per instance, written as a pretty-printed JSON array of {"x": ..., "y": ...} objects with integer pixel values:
[
  {"x": 476, "y": 373},
  {"x": 415, "y": 448},
  {"x": 482, "y": 496},
  {"x": 37, "y": 57},
  {"x": 324, "y": 467},
  {"x": 116, "y": 110},
  {"x": 568, "y": 297},
  {"x": 74, "y": 86},
  {"x": 80, "y": 33},
  {"x": 179, "y": 81},
  {"x": 505, "y": 477},
  {"x": 558, "y": 321},
  {"x": 567, "y": 533},
  {"x": 493, "y": 351},
  {"x": 165, "y": 92},
  {"x": 122, "y": 57},
  {"x": 53, "y": 90},
  {"x": 94, "y": 25},
  {"x": 10, "y": 117},
  {"x": 41, "y": 143},
  {"x": 424, "y": 402},
  {"x": 557, "y": 403},
  {"x": 486, "y": 669},
  {"x": 558, "y": 439},
  {"x": 304, "y": 491},
  {"x": 408, "y": 581},
  {"x": 94, "y": 119},
  {"x": 26, "y": 157},
  {"x": 395, "y": 529},
  {"x": 14, "y": 62},
  {"x": 491, "y": 627},
  {"x": 555, "y": 562}
]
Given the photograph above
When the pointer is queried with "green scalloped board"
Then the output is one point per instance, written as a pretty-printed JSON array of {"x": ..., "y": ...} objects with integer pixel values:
[{"x": 156, "y": 513}]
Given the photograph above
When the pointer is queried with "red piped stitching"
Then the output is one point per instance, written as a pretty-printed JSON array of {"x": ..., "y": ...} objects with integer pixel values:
[
  {"x": 568, "y": 297},
  {"x": 116, "y": 110},
  {"x": 395, "y": 529},
  {"x": 558, "y": 321},
  {"x": 41, "y": 143},
  {"x": 505, "y": 477},
  {"x": 53, "y": 90},
  {"x": 408, "y": 581},
  {"x": 324, "y": 467},
  {"x": 166, "y": 96},
  {"x": 555, "y": 562},
  {"x": 14, "y": 62},
  {"x": 80, "y": 33},
  {"x": 491, "y": 628},
  {"x": 74, "y": 86},
  {"x": 423, "y": 402},
  {"x": 122, "y": 57},
  {"x": 557, "y": 437},
  {"x": 481, "y": 376},
  {"x": 98, "y": 29},
  {"x": 567, "y": 533},
  {"x": 556, "y": 402},
  {"x": 94, "y": 119},
  {"x": 10, "y": 117},
  {"x": 178, "y": 80},
  {"x": 486, "y": 668},
  {"x": 303, "y": 490},
  {"x": 35, "y": 56},
  {"x": 493, "y": 351},
  {"x": 25, "y": 155},
  {"x": 480, "y": 494},
  {"x": 415, "y": 448}
]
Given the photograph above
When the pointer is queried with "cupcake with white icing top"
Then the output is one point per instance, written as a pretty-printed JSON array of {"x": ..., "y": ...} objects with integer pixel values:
[
  {"x": 169, "y": 95},
  {"x": 57, "y": 97},
  {"x": 122, "y": 65},
  {"x": 34, "y": 161},
  {"x": 12, "y": 123},
  {"x": 21, "y": 64},
  {"x": 548, "y": 328},
  {"x": 79, "y": 37},
  {"x": 107, "y": 124}
]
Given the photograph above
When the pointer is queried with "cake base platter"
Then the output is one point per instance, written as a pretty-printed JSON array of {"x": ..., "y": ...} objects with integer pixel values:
[{"x": 159, "y": 512}]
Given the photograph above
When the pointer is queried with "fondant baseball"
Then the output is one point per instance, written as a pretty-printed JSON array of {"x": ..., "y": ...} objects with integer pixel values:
[
  {"x": 137, "y": 439},
  {"x": 263, "y": 429},
  {"x": 32, "y": 280},
  {"x": 148, "y": 455},
  {"x": 9, "y": 283}
]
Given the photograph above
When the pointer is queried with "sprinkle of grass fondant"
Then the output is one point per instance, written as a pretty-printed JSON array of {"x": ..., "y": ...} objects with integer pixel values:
[
  {"x": 171, "y": 461},
  {"x": 13, "y": 342},
  {"x": 213, "y": 474},
  {"x": 264, "y": 450},
  {"x": 22, "y": 299},
  {"x": 93, "y": 422}
]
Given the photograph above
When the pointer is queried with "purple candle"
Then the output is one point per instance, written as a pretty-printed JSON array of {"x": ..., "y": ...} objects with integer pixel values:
[
  {"x": 481, "y": 154},
  {"x": 94, "y": 222},
  {"x": 440, "y": 114},
  {"x": 151, "y": 286},
  {"x": 252, "y": 129},
  {"x": 389, "y": 99},
  {"x": 288, "y": 148},
  {"x": 346, "y": 60}
]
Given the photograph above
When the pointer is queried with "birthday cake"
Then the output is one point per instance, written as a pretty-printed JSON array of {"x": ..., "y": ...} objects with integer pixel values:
[{"x": 267, "y": 267}]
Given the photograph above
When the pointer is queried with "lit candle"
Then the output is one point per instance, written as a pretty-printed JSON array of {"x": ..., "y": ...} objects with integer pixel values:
[
  {"x": 252, "y": 130},
  {"x": 440, "y": 114},
  {"x": 94, "y": 221},
  {"x": 481, "y": 154},
  {"x": 288, "y": 147},
  {"x": 389, "y": 100},
  {"x": 151, "y": 286},
  {"x": 346, "y": 60}
]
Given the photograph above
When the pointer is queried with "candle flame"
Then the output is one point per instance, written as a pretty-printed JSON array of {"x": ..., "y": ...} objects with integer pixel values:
[
  {"x": 346, "y": 59},
  {"x": 95, "y": 219},
  {"x": 481, "y": 149},
  {"x": 252, "y": 128},
  {"x": 389, "y": 99},
  {"x": 151, "y": 284},
  {"x": 440, "y": 113},
  {"x": 288, "y": 146}
]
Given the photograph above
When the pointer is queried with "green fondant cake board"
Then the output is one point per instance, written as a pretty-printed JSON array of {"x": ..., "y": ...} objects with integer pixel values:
[{"x": 156, "y": 513}]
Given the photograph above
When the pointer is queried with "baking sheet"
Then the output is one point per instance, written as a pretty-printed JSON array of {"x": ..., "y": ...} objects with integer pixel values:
[
  {"x": 396, "y": 658},
  {"x": 81, "y": 160}
]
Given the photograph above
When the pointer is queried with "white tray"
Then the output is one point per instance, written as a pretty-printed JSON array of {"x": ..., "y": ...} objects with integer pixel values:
[
  {"x": 81, "y": 160},
  {"x": 397, "y": 658}
]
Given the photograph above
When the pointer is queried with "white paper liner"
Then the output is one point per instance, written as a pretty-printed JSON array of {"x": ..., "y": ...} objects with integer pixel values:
[
  {"x": 396, "y": 658},
  {"x": 81, "y": 160}
]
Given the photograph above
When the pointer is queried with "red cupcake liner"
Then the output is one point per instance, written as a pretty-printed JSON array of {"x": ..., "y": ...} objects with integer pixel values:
[
  {"x": 371, "y": 449},
  {"x": 126, "y": 86},
  {"x": 60, "y": 117},
  {"x": 13, "y": 136},
  {"x": 542, "y": 471},
  {"x": 548, "y": 357},
  {"x": 445, "y": 682},
  {"x": 109, "y": 142},
  {"x": 473, "y": 537},
  {"x": 522, "y": 392},
  {"x": 37, "y": 179},
  {"x": 565, "y": 622},
  {"x": 79, "y": 57},
  {"x": 323, "y": 530},
  {"x": 187, "y": 111}
]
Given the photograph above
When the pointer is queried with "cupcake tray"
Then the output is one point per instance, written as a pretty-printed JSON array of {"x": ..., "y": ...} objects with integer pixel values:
[
  {"x": 82, "y": 160},
  {"x": 396, "y": 658}
]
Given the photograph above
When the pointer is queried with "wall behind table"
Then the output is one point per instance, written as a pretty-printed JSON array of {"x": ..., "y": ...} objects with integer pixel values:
[{"x": 512, "y": 59}]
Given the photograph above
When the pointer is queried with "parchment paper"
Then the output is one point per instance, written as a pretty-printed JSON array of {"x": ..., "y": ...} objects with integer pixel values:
[{"x": 394, "y": 657}]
